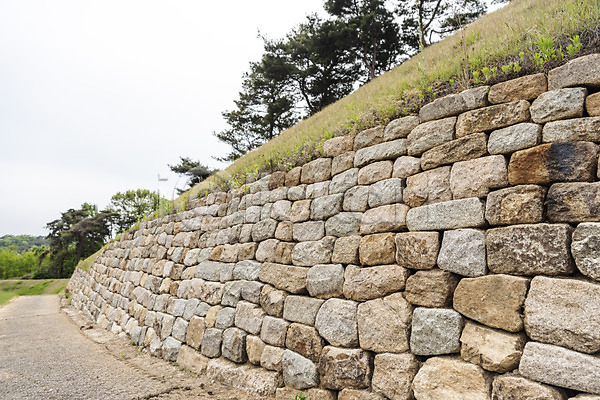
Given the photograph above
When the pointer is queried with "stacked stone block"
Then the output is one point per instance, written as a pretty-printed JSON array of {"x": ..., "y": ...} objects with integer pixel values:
[{"x": 450, "y": 255}]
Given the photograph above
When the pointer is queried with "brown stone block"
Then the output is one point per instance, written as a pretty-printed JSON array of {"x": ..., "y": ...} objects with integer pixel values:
[
  {"x": 522, "y": 204},
  {"x": 465, "y": 148},
  {"x": 524, "y": 88},
  {"x": 305, "y": 340},
  {"x": 582, "y": 71},
  {"x": 492, "y": 117},
  {"x": 368, "y": 137},
  {"x": 345, "y": 368},
  {"x": 592, "y": 105},
  {"x": 372, "y": 282},
  {"x": 428, "y": 187},
  {"x": 277, "y": 179},
  {"x": 432, "y": 288},
  {"x": 318, "y": 170},
  {"x": 292, "y": 178},
  {"x": 417, "y": 250},
  {"x": 337, "y": 145},
  {"x": 378, "y": 249},
  {"x": 574, "y": 202}
]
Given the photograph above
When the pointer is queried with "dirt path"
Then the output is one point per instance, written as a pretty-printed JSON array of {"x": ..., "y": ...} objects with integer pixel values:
[{"x": 44, "y": 354}]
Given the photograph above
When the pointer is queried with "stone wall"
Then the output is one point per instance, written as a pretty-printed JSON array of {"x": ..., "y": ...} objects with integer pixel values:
[{"x": 449, "y": 255}]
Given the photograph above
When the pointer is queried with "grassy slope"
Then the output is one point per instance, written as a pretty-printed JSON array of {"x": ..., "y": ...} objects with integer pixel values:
[
  {"x": 493, "y": 39},
  {"x": 11, "y": 288}
]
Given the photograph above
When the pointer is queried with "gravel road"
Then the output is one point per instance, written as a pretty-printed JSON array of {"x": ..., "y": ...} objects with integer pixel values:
[{"x": 49, "y": 354}]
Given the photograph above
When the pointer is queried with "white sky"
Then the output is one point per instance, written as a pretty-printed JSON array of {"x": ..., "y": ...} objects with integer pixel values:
[{"x": 98, "y": 97}]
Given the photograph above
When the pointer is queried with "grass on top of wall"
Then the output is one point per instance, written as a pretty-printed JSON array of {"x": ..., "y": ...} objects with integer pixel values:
[
  {"x": 86, "y": 264},
  {"x": 493, "y": 40},
  {"x": 11, "y": 288}
]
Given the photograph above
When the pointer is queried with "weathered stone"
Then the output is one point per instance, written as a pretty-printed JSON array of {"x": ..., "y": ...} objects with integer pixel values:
[
  {"x": 232, "y": 292},
  {"x": 451, "y": 379},
  {"x": 582, "y": 71},
  {"x": 211, "y": 342},
  {"x": 455, "y": 104},
  {"x": 428, "y": 187},
  {"x": 554, "y": 162},
  {"x": 417, "y": 250},
  {"x": 336, "y": 322},
  {"x": 249, "y": 317},
  {"x": 342, "y": 163},
  {"x": 299, "y": 372},
  {"x": 435, "y": 331},
  {"x": 384, "y": 219},
  {"x": 558, "y": 104},
  {"x": 385, "y": 192},
  {"x": 383, "y": 151},
  {"x": 272, "y": 300},
  {"x": 264, "y": 230},
  {"x": 345, "y": 368},
  {"x": 277, "y": 179},
  {"x": 300, "y": 211},
  {"x": 281, "y": 210},
  {"x": 516, "y": 137},
  {"x": 195, "y": 331},
  {"x": 491, "y": 349},
  {"x": 211, "y": 316},
  {"x": 514, "y": 387},
  {"x": 301, "y": 309},
  {"x": 337, "y": 145},
  {"x": 318, "y": 170},
  {"x": 251, "y": 291},
  {"x": 271, "y": 358},
  {"x": 375, "y": 172},
  {"x": 530, "y": 249},
  {"x": 170, "y": 349},
  {"x": 325, "y": 280},
  {"x": 522, "y": 204},
  {"x": 493, "y": 300},
  {"x": 234, "y": 345},
  {"x": 345, "y": 250},
  {"x": 368, "y": 137},
  {"x": 284, "y": 231},
  {"x": 356, "y": 199},
  {"x": 305, "y": 340},
  {"x": 383, "y": 324},
  {"x": 316, "y": 190},
  {"x": 462, "y": 149},
  {"x": 432, "y": 288},
  {"x": 475, "y": 178},
  {"x": 344, "y": 181},
  {"x": 287, "y": 393},
  {"x": 592, "y": 105},
  {"x": 244, "y": 377},
  {"x": 429, "y": 135},
  {"x": 406, "y": 166},
  {"x": 355, "y": 394},
  {"x": 492, "y": 117},
  {"x": 225, "y": 318},
  {"x": 326, "y": 206},
  {"x": 296, "y": 193},
  {"x": 524, "y": 88},
  {"x": 285, "y": 277},
  {"x": 558, "y": 366},
  {"x": 343, "y": 224},
  {"x": 393, "y": 375},
  {"x": 454, "y": 214},
  {"x": 313, "y": 252},
  {"x": 273, "y": 331},
  {"x": 373, "y": 282},
  {"x": 564, "y": 312},
  {"x": 191, "y": 360},
  {"x": 310, "y": 230},
  {"x": 585, "y": 248},
  {"x": 377, "y": 249},
  {"x": 572, "y": 130},
  {"x": 463, "y": 252},
  {"x": 400, "y": 128},
  {"x": 584, "y": 396},
  {"x": 574, "y": 202},
  {"x": 254, "y": 349}
]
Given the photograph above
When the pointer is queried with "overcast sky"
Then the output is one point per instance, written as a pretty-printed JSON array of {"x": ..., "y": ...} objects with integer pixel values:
[{"x": 98, "y": 97}]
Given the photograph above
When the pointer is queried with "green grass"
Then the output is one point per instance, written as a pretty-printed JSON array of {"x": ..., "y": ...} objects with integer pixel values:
[
  {"x": 86, "y": 264},
  {"x": 12, "y": 288}
]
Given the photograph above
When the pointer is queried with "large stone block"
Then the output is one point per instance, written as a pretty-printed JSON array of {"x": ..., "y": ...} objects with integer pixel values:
[
  {"x": 492, "y": 117},
  {"x": 433, "y": 288},
  {"x": 564, "y": 312},
  {"x": 254, "y": 349},
  {"x": 558, "y": 366},
  {"x": 454, "y": 214},
  {"x": 211, "y": 342},
  {"x": 574, "y": 202},
  {"x": 368, "y": 137},
  {"x": 585, "y": 248},
  {"x": 435, "y": 331},
  {"x": 244, "y": 377},
  {"x": 493, "y": 300},
  {"x": 190, "y": 359},
  {"x": 383, "y": 324},
  {"x": 195, "y": 332},
  {"x": 300, "y": 211},
  {"x": 336, "y": 322},
  {"x": 234, "y": 345},
  {"x": 530, "y": 249},
  {"x": 384, "y": 219},
  {"x": 287, "y": 393},
  {"x": 356, "y": 199},
  {"x": 572, "y": 130},
  {"x": 475, "y": 178},
  {"x": 514, "y": 387},
  {"x": 343, "y": 224},
  {"x": 249, "y": 317},
  {"x": 326, "y": 206},
  {"x": 385, "y": 192},
  {"x": 342, "y": 163},
  {"x": 463, "y": 252},
  {"x": 299, "y": 372},
  {"x": 455, "y": 104},
  {"x": 273, "y": 331},
  {"x": 343, "y": 181},
  {"x": 417, "y": 250},
  {"x": 285, "y": 277},
  {"x": 400, "y": 127},
  {"x": 462, "y": 149},
  {"x": 337, "y": 145},
  {"x": 345, "y": 368},
  {"x": 428, "y": 187},
  {"x": 393, "y": 375},
  {"x": 516, "y": 137},
  {"x": 378, "y": 249},
  {"x": 372, "y": 282},
  {"x": 592, "y": 105},
  {"x": 355, "y": 394},
  {"x": 491, "y": 349},
  {"x": 305, "y": 340},
  {"x": 524, "y": 88},
  {"x": 309, "y": 230},
  {"x": 554, "y": 162},
  {"x": 429, "y": 135},
  {"x": 325, "y": 280},
  {"x": 316, "y": 171},
  {"x": 271, "y": 358},
  {"x": 558, "y": 104},
  {"x": 313, "y": 252},
  {"x": 383, "y": 151},
  {"x": 406, "y": 166},
  {"x": 375, "y": 172},
  {"x": 523, "y": 204},
  {"x": 582, "y": 71},
  {"x": 272, "y": 300},
  {"x": 301, "y": 309},
  {"x": 345, "y": 250}
]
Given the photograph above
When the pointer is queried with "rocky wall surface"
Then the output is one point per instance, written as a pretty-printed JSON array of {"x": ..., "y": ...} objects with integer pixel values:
[{"x": 449, "y": 255}]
